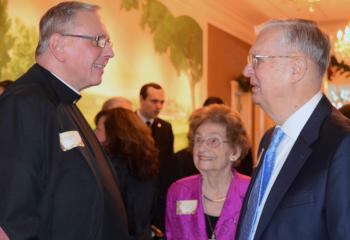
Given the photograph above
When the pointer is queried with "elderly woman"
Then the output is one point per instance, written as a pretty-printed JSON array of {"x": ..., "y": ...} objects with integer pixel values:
[{"x": 208, "y": 205}]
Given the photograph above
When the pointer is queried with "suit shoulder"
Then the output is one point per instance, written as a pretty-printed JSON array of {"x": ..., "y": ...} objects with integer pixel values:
[
  {"x": 338, "y": 122},
  {"x": 334, "y": 129},
  {"x": 26, "y": 95},
  {"x": 30, "y": 87},
  {"x": 164, "y": 122},
  {"x": 27, "y": 98},
  {"x": 164, "y": 127}
]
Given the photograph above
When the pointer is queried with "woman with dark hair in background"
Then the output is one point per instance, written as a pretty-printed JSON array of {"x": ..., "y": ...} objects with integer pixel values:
[{"x": 131, "y": 147}]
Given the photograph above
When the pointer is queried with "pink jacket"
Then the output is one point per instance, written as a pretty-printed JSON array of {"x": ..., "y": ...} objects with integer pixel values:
[{"x": 185, "y": 219}]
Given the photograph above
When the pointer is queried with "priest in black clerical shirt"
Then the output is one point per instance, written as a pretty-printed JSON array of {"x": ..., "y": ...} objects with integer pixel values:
[{"x": 55, "y": 180}]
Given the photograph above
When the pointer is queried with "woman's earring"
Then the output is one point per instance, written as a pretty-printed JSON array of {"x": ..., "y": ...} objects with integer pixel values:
[{"x": 232, "y": 157}]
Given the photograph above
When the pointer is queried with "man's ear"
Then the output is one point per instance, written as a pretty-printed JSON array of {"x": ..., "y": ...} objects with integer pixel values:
[
  {"x": 141, "y": 100},
  {"x": 299, "y": 68},
  {"x": 56, "y": 46}
]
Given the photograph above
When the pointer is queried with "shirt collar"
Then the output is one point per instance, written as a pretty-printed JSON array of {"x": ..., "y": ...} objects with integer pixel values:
[
  {"x": 72, "y": 88},
  {"x": 296, "y": 122},
  {"x": 143, "y": 118}
]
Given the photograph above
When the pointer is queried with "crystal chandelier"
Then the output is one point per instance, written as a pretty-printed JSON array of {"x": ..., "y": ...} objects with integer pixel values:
[{"x": 342, "y": 44}]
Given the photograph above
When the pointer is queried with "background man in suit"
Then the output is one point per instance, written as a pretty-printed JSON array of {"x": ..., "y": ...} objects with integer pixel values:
[
  {"x": 55, "y": 180},
  {"x": 307, "y": 194},
  {"x": 151, "y": 104}
]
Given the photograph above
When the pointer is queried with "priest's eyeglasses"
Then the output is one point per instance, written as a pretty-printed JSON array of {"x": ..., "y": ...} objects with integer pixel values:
[
  {"x": 210, "y": 142},
  {"x": 254, "y": 59},
  {"x": 101, "y": 41}
]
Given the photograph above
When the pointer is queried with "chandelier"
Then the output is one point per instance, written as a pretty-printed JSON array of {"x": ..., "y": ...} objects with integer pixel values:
[{"x": 342, "y": 44}]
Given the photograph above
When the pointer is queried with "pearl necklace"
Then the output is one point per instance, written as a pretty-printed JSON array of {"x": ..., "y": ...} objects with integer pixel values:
[
  {"x": 217, "y": 199},
  {"x": 214, "y": 200}
]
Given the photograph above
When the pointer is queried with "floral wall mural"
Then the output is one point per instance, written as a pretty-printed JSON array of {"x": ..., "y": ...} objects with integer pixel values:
[{"x": 151, "y": 44}]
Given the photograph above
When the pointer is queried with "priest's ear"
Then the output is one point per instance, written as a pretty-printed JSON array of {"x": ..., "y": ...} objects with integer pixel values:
[{"x": 56, "y": 46}]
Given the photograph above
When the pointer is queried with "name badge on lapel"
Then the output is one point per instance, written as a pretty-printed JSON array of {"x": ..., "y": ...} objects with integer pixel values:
[
  {"x": 185, "y": 207},
  {"x": 70, "y": 139}
]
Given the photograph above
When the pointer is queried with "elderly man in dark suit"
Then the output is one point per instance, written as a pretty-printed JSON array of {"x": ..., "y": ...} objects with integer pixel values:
[
  {"x": 55, "y": 180},
  {"x": 301, "y": 187},
  {"x": 151, "y": 104}
]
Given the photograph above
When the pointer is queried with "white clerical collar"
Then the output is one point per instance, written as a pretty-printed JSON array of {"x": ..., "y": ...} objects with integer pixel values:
[
  {"x": 72, "y": 88},
  {"x": 296, "y": 122}
]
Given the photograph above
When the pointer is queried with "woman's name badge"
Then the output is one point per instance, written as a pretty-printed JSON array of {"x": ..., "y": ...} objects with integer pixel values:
[{"x": 184, "y": 207}]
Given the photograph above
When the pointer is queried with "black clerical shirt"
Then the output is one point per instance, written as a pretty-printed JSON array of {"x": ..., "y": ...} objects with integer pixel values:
[{"x": 52, "y": 185}]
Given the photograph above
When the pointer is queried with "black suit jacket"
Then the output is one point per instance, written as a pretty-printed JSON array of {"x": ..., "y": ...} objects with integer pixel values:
[
  {"x": 164, "y": 139},
  {"x": 163, "y": 136},
  {"x": 46, "y": 192},
  {"x": 310, "y": 198},
  {"x": 138, "y": 198}
]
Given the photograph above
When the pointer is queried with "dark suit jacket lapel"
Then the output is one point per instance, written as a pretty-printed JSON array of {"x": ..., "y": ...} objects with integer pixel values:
[
  {"x": 262, "y": 150},
  {"x": 155, "y": 130},
  {"x": 294, "y": 162}
]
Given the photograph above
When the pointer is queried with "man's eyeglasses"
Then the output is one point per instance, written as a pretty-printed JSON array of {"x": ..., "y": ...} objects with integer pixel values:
[
  {"x": 101, "y": 41},
  {"x": 254, "y": 59},
  {"x": 211, "y": 142}
]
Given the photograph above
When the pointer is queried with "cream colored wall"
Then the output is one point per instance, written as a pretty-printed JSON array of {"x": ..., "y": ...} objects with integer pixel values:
[{"x": 226, "y": 41}]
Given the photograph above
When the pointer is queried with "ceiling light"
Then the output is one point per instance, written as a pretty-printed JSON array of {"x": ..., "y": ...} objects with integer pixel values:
[{"x": 342, "y": 44}]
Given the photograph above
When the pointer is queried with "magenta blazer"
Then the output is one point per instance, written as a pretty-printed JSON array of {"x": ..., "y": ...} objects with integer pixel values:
[{"x": 185, "y": 215}]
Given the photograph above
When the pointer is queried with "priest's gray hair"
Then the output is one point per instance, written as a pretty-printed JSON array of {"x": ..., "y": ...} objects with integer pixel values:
[{"x": 57, "y": 19}]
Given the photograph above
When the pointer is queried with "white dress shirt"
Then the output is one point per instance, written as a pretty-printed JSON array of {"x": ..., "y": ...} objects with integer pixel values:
[
  {"x": 144, "y": 119},
  {"x": 292, "y": 128}
]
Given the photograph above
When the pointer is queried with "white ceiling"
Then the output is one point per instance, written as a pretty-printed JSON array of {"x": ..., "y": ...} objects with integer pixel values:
[
  {"x": 239, "y": 17},
  {"x": 330, "y": 14}
]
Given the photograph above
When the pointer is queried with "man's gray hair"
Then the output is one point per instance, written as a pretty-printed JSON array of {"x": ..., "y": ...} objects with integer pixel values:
[
  {"x": 305, "y": 36},
  {"x": 56, "y": 19}
]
